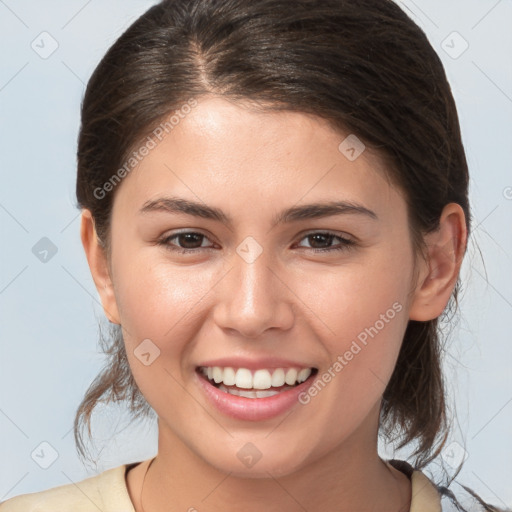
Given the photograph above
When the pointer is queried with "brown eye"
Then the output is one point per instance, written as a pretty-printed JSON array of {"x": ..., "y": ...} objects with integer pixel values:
[
  {"x": 318, "y": 240},
  {"x": 188, "y": 241},
  {"x": 321, "y": 242}
]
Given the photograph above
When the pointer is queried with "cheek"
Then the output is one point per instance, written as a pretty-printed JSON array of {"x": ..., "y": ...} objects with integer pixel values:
[
  {"x": 154, "y": 296},
  {"x": 159, "y": 306},
  {"x": 347, "y": 301},
  {"x": 164, "y": 304},
  {"x": 362, "y": 317}
]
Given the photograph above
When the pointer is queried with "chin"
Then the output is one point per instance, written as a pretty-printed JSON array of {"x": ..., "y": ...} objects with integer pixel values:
[{"x": 249, "y": 462}]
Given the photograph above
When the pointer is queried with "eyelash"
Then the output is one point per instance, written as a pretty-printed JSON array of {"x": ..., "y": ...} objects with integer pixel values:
[{"x": 345, "y": 244}]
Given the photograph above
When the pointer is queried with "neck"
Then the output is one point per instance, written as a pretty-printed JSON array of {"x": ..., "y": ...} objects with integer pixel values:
[{"x": 351, "y": 477}]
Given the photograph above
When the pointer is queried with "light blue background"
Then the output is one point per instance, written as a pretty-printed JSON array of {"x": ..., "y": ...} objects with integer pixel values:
[{"x": 49, "y": 311}]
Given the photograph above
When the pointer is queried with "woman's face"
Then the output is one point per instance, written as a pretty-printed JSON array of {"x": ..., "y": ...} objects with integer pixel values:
[{"x": 255, "y": 291}]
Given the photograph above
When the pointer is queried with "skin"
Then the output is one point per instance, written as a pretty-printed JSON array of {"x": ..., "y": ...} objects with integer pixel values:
[{"x": 290, "y": 302}]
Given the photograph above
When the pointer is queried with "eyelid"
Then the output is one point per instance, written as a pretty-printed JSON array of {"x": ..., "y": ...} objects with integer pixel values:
[{"x": 340, "y": 234}]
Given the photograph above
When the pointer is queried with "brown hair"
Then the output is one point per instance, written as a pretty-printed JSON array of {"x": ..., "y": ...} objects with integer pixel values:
[{"x": 363, "y": 65}]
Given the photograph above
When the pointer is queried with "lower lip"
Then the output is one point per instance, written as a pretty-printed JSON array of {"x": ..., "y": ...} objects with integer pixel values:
[{"x": 253, "y": 409}]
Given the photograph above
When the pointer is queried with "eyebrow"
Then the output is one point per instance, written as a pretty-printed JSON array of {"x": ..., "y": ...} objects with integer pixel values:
[{"x": 293, "y": 214}]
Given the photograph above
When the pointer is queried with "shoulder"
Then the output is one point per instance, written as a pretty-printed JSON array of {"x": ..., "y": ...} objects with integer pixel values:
[
  {"x": 425, "y": 496},
  {"x": 430, "y": 496},
  {"x": 106, "y": 492}
]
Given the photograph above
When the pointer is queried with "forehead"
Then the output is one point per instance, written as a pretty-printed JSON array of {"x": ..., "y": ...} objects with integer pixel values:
[{"x": 228, "y": 153}]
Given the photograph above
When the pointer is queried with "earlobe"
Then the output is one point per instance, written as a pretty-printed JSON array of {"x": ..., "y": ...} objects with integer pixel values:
[
  {"x": 446, "y": 248},
  {"x": 98, "y": 265}
]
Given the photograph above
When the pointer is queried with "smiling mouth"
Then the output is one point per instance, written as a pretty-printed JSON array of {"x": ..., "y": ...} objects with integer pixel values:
[{"x": 261, "y": 383}]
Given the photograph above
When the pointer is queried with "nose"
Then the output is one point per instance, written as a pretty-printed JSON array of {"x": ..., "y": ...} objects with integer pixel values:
[{"x": 254, "y": 297}]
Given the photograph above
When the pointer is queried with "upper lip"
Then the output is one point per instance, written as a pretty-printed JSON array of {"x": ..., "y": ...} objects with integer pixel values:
[{"x": 254, "y": 364}]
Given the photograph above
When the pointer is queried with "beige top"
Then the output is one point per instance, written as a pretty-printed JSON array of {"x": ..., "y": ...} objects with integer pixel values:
[{"x": 108, "y": 492}]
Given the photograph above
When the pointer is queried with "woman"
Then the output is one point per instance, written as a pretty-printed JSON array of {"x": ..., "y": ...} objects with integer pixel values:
[{"x": 275, "y": 209}]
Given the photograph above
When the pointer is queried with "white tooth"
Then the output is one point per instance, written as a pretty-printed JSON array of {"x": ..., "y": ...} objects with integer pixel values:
[
  {"x": 243, "y": 378},
  {"x": 265, "y": 393},
  {"x": 217, "y": 374},
  {"x": 229, "y": 376},
  {"x": 278, "y": 378},
  {"x": 247, "y": 394},
  {"x": 251, "y": 394},
  {"x": 261, "y": 379},
  {"x": 304, "y": 374},
  {"x": 223, "y": 388},
  {"x": 291, "y": 376}
]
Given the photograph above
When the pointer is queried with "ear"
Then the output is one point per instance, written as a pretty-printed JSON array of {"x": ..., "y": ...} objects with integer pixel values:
[
  {"x": 98, "y": 264},
  {"x": 438, "y": 275}
]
